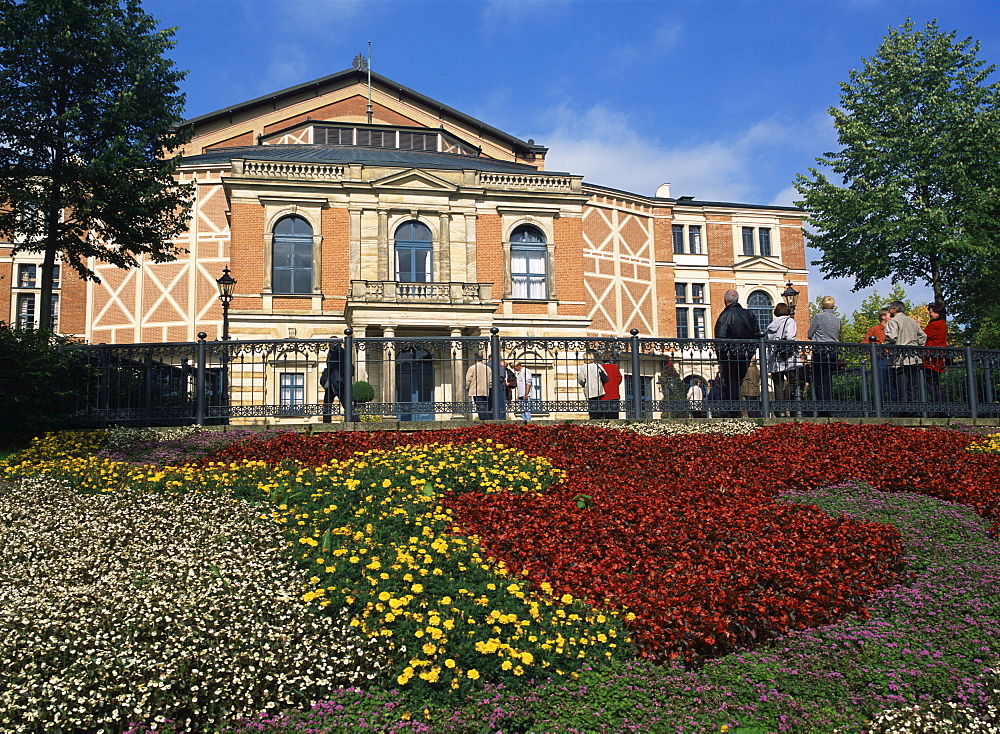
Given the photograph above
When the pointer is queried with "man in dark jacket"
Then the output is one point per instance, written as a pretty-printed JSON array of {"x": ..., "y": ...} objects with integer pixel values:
[{"x": 735, "y": 322}]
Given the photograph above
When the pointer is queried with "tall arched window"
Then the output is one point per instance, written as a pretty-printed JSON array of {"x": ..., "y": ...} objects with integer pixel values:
[
  {"x": 292, "y": 256},
  {"x": 527, "y": 263},
  {"x": 413, "y": 253},
  {"x": 760, "y": 306}
]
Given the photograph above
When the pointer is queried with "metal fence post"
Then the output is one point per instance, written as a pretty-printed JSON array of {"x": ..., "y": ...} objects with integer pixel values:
[
  {"x": 636, "y": 408},
  {"x": 970, "y": 373},
  {"x": 765, "y": 386},
  {"x": 498, "y": 378},
  {"x": 876, "y": 376},
  {"x": 347, "y": 370},
  {"x": 199, "y": 379}
]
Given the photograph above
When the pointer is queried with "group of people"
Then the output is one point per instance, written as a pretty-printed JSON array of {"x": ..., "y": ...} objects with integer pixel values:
[
  {"x": 899, "y": 370},
  {"x": 600, "y": 381},
  {"x": 517, "y": 384}
]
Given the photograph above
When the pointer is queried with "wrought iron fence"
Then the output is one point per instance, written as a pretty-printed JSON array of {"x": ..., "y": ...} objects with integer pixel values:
[{"x": 440, "y": 378}]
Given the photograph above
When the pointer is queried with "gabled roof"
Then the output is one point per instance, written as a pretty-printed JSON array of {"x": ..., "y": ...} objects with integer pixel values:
[{"x": 377, "y": 79}]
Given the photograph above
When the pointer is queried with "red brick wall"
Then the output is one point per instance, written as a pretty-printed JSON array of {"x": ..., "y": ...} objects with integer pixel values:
[
  {"x": 569, "y": 265},
  {"x": 356, "y": 106},
  {"x": 245, "y": 138},
  {"x": 489, "y": 252},
  {"x": 246, "y": 254},
  {"x": 72, "y": 301},
  {"x": 336, "y": 271}
]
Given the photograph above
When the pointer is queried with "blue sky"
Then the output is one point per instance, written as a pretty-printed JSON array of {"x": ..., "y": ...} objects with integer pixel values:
[{"x": 725, "y": 99}]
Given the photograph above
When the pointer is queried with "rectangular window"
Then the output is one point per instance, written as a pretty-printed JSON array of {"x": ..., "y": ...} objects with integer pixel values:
[
  {"x": 699, "y": 323},
  {"x": 694, "y": 239},
  {"x": 25, "y": 311},
  {"x": 527, "y": 273},
  {"x": 536, "y": 386},
  {"x": 764, "y": 239},
  {"x": 55, "y": 276},
  {"x": 292, "y": 388},
  {"x": 26, "y": 276},
  {"x": 682, "y": 323},
  {"x": 678, "y": 239},
  {"x": 697, "y": 293},
  {"x": 55, "y": 312},
  {"x": 680, "y": 291},
  {"x": 748, "y": 241}
]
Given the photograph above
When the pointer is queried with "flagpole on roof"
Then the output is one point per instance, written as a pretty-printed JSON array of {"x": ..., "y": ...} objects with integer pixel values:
[{"x": 369, "y": 82}]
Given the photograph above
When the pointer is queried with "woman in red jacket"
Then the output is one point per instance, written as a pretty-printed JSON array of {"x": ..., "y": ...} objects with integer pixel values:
[
  {"x": 937, "y": 336},
  {"x": 611, "y": 391}
]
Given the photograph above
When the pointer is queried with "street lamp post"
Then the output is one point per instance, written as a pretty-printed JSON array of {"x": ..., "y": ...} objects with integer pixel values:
[
  {"x": 790, "y": 296},
  {"x": 227, "y": 284}
]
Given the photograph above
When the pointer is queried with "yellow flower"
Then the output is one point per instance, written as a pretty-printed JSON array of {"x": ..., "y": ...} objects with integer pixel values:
[
  {"x": 417, "y": 588},
  {"x": 472, "y": 674},
  {"x": 566, "y": 599}
]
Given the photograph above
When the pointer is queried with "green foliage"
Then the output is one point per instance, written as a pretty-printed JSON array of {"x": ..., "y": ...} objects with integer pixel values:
[
  {"x": 39, "y": 382},
  {"x": 362, "y": 392},
  {"x": 88, "y": 113},
  {"x": 917, "y": 128}
]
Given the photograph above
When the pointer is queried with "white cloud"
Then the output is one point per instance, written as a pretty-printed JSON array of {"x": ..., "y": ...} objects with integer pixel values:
[{"x": 604, "y": 146}]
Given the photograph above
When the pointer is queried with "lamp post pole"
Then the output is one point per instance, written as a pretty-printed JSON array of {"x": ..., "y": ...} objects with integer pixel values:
[{"x": 227, "y": 285}]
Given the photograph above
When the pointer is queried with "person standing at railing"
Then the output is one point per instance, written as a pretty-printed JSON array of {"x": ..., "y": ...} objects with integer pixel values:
[
  {"x": 611, "y": 389},
  {"x": 735, "y": 322},
  {"x": 750, "y": 391},
  {"x": 478, "y": 381},
  {"x": 696, "y": 398},
  {"x": 882, "y": 361},
  {"x": 591, "y": 377},
  {"x": 783, "y": 362},
  {"x": 902, "y": 331},
  {"x": 937, "y": 336},
  {"x": 824, "y": 327},
  {"x": 525, "y": 384},
  {"x": 332, "y": 381}
]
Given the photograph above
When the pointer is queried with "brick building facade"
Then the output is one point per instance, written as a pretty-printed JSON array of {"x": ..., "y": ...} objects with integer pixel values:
[{"x": 421, "y": 221}]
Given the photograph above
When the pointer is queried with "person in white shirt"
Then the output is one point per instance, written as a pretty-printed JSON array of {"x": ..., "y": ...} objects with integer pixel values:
[{"x": 525, "y": 384}]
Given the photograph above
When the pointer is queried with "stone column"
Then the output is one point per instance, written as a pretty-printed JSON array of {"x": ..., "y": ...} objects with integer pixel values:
[
  {"x": 444, "y": 248},
  {"x": 383, "y": 245}
]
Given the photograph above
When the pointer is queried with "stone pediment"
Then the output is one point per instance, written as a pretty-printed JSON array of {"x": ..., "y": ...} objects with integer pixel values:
[
  {"x": 760, "y": 263},
  {"x": 414, "y": 179}
]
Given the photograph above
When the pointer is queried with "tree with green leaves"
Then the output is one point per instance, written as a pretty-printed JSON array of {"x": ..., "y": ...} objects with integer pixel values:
[
  {"x": 89, "y": 108},
  {"x": 916, "y": 189}
]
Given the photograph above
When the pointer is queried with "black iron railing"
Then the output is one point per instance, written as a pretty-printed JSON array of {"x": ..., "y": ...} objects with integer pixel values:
[{"x": 435, "y": 378}]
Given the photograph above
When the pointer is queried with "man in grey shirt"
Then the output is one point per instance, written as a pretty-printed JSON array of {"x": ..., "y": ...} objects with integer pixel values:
[
  {"x": 904, "y": 364},
  {"x": 824, "y": 327}
]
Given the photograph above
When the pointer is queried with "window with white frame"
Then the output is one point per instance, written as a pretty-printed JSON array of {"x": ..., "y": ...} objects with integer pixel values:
[
  {"x": 757, "y": 241},
  {"x": 687, "y": 239},
  {"x": 759, "y": 303},
  {"x": 694, "y": 239},
  {"x": 682, "y": 324},
  {"x": 528, "y": 277},
  {"x": 680, "y": 292},
  {"x": 292, "y": 388},
  {"x": 697, "y": 293},
  {"x": 292, "y": 256},
  {"x": 27, "y": 275},
  {"x": 25, "y": 314},
  {"x": 699, "y": 323}
]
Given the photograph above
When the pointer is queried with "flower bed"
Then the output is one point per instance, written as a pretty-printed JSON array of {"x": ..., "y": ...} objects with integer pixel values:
[{"x": 517, "y": 551}]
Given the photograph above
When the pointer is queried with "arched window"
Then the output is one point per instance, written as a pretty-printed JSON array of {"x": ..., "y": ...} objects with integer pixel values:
[
  {"x": 292, "y": 256},
  {"x": 527, "y": 263},
  {"x": 413, "y": 253},
  {"x": 760, "y": 306}
]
